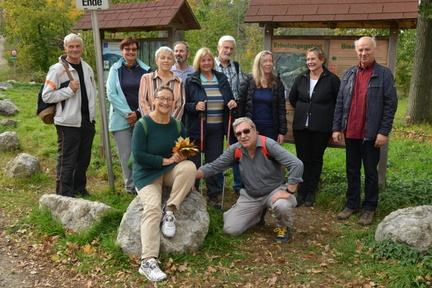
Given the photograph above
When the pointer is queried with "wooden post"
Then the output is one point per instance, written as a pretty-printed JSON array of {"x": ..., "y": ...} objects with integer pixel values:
[{"x": 391, "y": 56}]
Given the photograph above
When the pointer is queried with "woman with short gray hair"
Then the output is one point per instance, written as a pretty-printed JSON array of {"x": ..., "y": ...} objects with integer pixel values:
[{"x": 164, "y": 58}]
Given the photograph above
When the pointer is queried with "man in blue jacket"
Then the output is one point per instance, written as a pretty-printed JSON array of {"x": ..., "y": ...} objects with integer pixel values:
[{"x": 364, "y": 112}]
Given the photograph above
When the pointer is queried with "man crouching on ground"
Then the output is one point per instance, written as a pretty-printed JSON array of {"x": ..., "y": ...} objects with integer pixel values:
[{"x": 263, "y": 178}]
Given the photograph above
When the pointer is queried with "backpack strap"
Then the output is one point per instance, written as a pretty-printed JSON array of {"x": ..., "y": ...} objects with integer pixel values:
[
  {"x": 144, "y": 124},
  {"x": 178, "y": 126},
  {"x": 263, "y": 147},
  {"x": 237, "y": 67},
  {"x": 237, "y": 154},
  {"x": 67, "y": 69},
  {"x": 238, "y": 151}
]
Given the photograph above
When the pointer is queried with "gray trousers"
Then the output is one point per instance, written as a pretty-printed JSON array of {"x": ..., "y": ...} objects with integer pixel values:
[
  {"x": 246, "y": 212},
  {"x": 123, "y": 142}
]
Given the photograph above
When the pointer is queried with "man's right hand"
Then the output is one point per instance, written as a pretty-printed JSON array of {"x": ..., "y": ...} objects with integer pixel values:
[
  {"x": 199, "y": 174},
  {"x": 74, "y": 85},
  {"x": 337, "y": 136}
]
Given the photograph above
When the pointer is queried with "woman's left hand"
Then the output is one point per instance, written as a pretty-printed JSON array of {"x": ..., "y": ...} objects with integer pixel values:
[
  {"x": 178, "y": 157},
  {"x": 280, "y": 139},
  {"x": 232, "y": 104},
  {"x": 175, "y": 158},
  {"x": 131, "y": 118}
]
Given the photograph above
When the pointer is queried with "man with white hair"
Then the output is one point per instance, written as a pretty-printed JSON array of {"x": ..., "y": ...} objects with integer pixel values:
[
  {"x": 364, "y": 113},
  {"x": 232, "y": 70},
  {"x": 75, "y": 116}
]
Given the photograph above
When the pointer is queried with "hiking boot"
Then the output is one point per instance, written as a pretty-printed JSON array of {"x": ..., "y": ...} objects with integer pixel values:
[
  {"x": 282, "y": 234},
  {"x": 151, "y": 270},
  {"x": 310, "y": 199},
  {"x": 366, "y": 218},
  {"x": 346, "y": 213},
  {"x": 261, "y": 222},
  {"x": 83, "y": 193},
  {"x": 300, "y": 199},
  {"x": 214, "y": 202},
  {"x": 131, "y": 192},
  {"x": 168, "y": 224}
]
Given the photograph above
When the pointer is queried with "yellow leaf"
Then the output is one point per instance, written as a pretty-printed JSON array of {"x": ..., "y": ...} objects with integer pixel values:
[{"x": 88, "y": 249}]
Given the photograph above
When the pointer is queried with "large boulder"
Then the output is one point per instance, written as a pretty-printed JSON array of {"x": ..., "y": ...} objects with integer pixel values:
[
  {"x": 8, "y": 108},
  {"x": 192, "y": 223},
  {"x": 9, "y": 141},
  {"x": 411, "y": 226},
  {"x": 75, "y": 214},
  {"x": 22, "y": 165}
]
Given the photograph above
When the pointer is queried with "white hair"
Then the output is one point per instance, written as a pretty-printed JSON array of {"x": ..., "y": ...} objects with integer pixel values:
[
  {"x": 164, "y": 49},
  {"x": 226, "y": 38},
  {"x": 72, "y": 37},
  {"x": 372, "y": 38}
]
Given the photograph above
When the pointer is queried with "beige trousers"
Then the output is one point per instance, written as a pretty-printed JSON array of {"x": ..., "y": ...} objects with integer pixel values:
[{"x": 181, "y": 179}]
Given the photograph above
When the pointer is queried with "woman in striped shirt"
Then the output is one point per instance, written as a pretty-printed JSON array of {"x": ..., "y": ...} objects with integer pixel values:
[
  {"x": 164, "y": 58},
  {"x": 208, "y": 95}
]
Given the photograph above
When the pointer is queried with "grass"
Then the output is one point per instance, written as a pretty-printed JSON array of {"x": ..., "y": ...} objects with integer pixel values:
[{"x": 332, "y": 254}]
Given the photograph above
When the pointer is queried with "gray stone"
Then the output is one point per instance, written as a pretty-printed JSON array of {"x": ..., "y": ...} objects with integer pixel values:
[
  {"x": 76, "y": 214},
  {"x": 22, "y": 165},
  {"x": 9, "y": 141},
  {"x": 8, "y": 122},
  {"x": 8, "y": 108},
  {"x": 6, "y": 85},
  {"x": 192, "y": 223},
  {"x": 411, "y": 226}
]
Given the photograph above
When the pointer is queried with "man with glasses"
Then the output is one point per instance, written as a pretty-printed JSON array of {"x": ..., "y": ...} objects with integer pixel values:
[{"x": 264, "y": 180}]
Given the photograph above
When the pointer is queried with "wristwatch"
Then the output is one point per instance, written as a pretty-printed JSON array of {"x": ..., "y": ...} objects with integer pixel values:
[{"x": 288, "y": 191}]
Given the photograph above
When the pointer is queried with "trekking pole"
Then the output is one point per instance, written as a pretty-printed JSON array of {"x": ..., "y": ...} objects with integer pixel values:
[
  {"x": 227, "y": 145},
  {"x": 201, "y": 115}
]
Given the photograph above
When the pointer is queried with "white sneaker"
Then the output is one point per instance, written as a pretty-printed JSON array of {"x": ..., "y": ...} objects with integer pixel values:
[
  {"x": 151, "y": 270},
  {"x": 168, "y": 224}
]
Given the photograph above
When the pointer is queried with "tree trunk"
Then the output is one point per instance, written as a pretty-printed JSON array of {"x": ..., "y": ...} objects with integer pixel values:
[{"x": 420, "y": 97}]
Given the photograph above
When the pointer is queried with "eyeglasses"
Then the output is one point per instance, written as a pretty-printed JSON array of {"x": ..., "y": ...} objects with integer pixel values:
[
  {"x": 245, "y": 131},
  {"x": 131, "y": 49},
  {"x": 163, "y": 99}
]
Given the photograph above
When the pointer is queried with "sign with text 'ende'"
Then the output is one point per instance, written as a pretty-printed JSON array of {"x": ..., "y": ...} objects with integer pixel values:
[{"x": 92, "y": 4}]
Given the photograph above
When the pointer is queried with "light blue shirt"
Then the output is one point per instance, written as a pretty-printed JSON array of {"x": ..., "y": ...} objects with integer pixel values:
[{"x": 182, "y": 74}]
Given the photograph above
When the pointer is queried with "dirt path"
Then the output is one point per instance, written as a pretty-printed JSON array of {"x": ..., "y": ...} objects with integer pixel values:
[
  {"x": 10, "y": 275},
  {"x": 15, "y": 268}
]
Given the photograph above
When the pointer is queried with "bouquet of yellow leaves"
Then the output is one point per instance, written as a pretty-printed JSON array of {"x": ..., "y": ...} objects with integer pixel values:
[{"x": 185, "y": 147}]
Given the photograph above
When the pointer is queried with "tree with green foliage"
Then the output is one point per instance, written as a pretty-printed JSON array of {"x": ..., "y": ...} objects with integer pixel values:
[
  {"x": 420, "y": 98},
  {"x": 405, "y": 53},
  {"x": 225, "y": 17},
  {"x": 36, "y": 29}
]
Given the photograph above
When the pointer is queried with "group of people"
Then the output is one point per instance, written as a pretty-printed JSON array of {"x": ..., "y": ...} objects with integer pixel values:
[{"x": 150, "y": 110}]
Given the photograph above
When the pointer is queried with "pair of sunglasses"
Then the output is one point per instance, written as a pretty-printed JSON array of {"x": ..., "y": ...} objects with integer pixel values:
[{"x": 245, "y": 131}]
